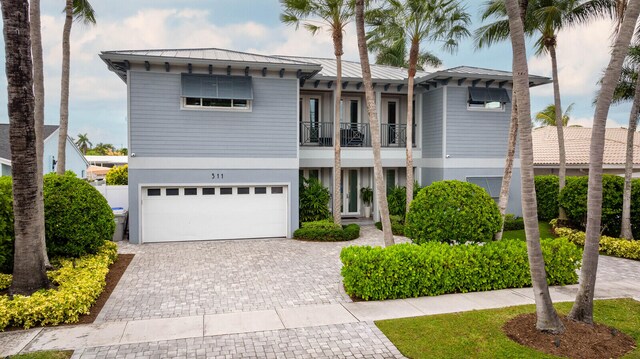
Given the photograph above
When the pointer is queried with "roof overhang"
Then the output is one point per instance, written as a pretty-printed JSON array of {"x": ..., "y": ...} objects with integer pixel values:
[
  {"x": 120, "y": 63},
  {"x": 444, "y": 77},
  {"x": 5, "y": 161}
]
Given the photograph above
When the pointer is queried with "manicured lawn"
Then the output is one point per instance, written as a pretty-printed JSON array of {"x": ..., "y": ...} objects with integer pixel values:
[
  {"x": 50, "y": 354},
  {"x": 545, "y": 232},
  {"x": 478, "y": 334}
]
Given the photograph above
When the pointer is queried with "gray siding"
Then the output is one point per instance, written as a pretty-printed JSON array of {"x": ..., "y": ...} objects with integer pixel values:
[
  {"x": 199, "y": 177},
  {"x": 475, "y": 134},
  {"x": 432, "y": 124},
  {"x": 430, "y": 175},
  {"x": 160, "y": 128},
  {"x": 514, "y": 205}
]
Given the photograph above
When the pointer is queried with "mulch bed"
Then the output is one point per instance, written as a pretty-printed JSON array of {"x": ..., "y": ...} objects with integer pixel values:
[
  {"x": 578, "y": 341},
  {"x": 116, "y": 270}
]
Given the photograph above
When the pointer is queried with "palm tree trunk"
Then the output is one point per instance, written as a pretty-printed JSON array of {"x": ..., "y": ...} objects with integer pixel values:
[
  {"x": 29, "y": 273},
  {"x": 38, "y": 88},
  {"x": 503, "y": 200},
  {"x": 383, "y": 205},
  {"x": 337, "y": 165},
  {"x": 625, "y": 229},
  {"x": 64, "y": 91},
  {"x": 413, "y": 60},
  {"x": 582, "y": 309},
  {"x": 562, "y": 170},
  {"x": 547, "y": 318}
]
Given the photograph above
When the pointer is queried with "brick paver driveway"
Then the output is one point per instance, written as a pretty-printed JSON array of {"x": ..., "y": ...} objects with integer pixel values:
[{"x": 167, "y": 280}]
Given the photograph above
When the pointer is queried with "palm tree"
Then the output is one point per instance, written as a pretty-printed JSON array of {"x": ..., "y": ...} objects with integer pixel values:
[
  {"x": 547, "y": 318},
  {"x": 381, "y": 195},
  {"x": 38, "y": 88},
  {"x": 334, "y": 14},
  {"x": 395, "y": 54},
  {"x": 544, "y": 18},
  {"x": 79, "y": 10},
  {"x": 547, "y": 117},
  {"x": 83, "y": 143},
  {"x": 582, "y": 309},
  {"x": 410, "y": 23},
  {"x": 29, "y": 273}
]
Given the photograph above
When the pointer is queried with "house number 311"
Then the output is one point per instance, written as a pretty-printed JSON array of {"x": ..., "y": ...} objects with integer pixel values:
[{"x": 215, "y": 176}]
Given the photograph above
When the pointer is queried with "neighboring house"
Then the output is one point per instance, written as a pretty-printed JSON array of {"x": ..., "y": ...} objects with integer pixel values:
[
  {"x": 577, "y": 146},
  {"x": 75, "y": 160},
  {"x": 218, "y": 138},
  {"x": 107, "y": 161}
]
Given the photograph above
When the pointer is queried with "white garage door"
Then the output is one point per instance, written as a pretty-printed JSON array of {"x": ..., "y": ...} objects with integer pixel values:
[{"x": 204, "y": 213}]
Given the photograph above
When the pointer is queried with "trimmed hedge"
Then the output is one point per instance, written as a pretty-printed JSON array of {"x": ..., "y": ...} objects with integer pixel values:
[
  {"x": 408, "y": 270},
  {"x": 573, "y": 199},
  {"x": 326, "y": 231},
  {"x": 6, "y": 225},
  {"x": 447, "y": 211},
  {"x": 80, "y": 282},
  {"x": 513, "y": 223},
  {"x": 547, "y": 192},
  {"x": 78, "y": 218},
  {"x": 617, "y": 247}
]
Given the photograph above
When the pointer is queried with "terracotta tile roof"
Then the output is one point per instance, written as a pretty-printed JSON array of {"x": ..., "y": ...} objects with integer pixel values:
[{"x": 578, "y": 142}]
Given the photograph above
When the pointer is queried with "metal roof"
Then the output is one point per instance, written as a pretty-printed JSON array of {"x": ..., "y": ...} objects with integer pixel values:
[
  {"x": 5, "y": 145},
  {"x": 352, "y": 69},
  {"x": 471, "y": 73},
  {"x": 208, "y": 54}
]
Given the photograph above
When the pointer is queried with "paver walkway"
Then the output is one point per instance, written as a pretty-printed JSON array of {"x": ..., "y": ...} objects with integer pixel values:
[{"x": 282, "y": 323}]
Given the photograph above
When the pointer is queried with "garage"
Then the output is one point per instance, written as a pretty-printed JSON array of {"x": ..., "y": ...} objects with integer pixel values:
[{"x": 183, "y": 213}]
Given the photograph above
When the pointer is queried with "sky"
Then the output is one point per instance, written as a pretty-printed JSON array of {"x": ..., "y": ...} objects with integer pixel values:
[{"x": 98, "y": 97}]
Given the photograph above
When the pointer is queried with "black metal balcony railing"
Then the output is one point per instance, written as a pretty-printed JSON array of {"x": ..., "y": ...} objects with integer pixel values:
[{"x": 353, "y": 134}]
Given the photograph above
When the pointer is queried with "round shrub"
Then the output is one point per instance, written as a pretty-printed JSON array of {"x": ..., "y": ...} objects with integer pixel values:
[
  {"x": 78, "y": 218},
  {"x": 452, "y": 211},
  {"x": 118, "y": 176},
  {"x": 573, "y": 198},
  {"x": 6, "y": 225}
]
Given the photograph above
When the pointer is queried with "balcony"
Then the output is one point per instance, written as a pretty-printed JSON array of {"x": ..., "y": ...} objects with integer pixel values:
[{"x": 320, "y": 134}]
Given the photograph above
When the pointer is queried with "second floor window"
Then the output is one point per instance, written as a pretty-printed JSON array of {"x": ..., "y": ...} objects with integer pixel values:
[{"x": 217, "y": 91}]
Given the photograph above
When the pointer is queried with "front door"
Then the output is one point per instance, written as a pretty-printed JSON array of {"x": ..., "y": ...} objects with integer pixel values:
[{"x": 350, "y": 193}]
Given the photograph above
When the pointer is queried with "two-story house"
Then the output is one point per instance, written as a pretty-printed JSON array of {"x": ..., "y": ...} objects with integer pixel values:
[{"x": 219, "y": 138}]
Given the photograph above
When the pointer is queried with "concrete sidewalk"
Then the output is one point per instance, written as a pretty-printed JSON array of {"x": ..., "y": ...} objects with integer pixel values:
[{"x": 280, "y": 319}]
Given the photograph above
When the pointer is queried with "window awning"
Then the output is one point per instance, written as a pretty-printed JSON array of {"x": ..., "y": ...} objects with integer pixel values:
[
  {"x": 217, "y": 86},
  {"x": 484, "y": 94}
]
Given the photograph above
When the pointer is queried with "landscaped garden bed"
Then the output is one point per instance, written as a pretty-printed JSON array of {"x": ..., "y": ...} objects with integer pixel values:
[
  {"x": 482, "y": 334},
  {"x": 617, "y": 247}
]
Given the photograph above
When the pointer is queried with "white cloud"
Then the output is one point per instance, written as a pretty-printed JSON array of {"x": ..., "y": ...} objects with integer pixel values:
[{"x": 583, "y": 53}]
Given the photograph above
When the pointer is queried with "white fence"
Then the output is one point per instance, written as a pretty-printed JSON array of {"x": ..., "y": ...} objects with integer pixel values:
[{"x": 117, "y": 196}]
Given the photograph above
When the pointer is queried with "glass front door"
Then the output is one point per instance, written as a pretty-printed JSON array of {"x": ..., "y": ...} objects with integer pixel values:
[{"x": 350, "y": 199}]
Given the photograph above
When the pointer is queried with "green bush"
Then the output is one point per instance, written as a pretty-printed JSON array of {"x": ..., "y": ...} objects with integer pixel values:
[
  {"x": 6, "y": 225},
  {"x": 449, "y": 211},
  {"x": 547, "y": 191},
  {"x": 79, "y": 283},
  {"x": 513, "y": 223},
  {"x": 635, "y": 208},
  {"x": 78, "y": 218},
  {"x": 573, "y": 199},
  {"x": 118, "y": 176},
  {"x": 327, "y": 231},
  {"x": 611, "y": 246},
  {"x": 314, "y": 200},
  {"x": 397, "y": 225},
  {"x": 409, "y": 270},
  {"x": 397, "y": 199}
]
